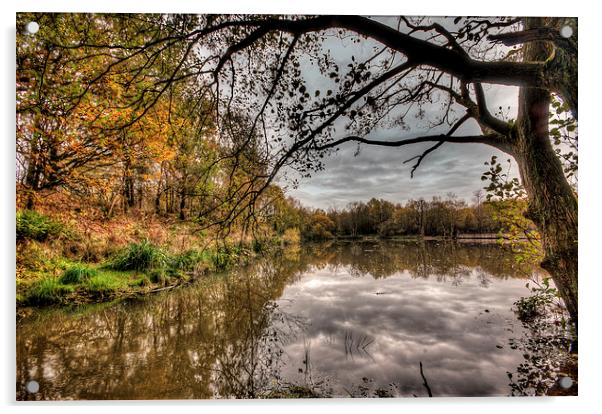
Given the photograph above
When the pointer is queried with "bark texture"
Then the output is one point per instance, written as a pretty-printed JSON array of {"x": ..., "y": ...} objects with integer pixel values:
[{"x": 552, "y": 202}]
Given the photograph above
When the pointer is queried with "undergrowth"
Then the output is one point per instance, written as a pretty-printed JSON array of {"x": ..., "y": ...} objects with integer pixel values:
[
  {"x": 89, "y": 261},
  {"x": 47, "y": 291},
  {"x": 77, "y": 274},
  {"x": 35, "y": 226},
  {"x": 136, "y": 268}
]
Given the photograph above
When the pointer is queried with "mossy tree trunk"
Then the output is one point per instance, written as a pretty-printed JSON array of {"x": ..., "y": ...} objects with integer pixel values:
[{"x": 552, "y": 201}]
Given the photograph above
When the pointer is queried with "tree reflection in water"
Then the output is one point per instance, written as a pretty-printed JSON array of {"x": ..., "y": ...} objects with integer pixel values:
[
  {"x": 221, "y": 337},
  {"x": 262, "y": 332}
]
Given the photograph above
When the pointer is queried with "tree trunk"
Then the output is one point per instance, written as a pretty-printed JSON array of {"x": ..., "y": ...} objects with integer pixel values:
[
  {"x": 32, "y": 177},
  {"x": 158, "y": 202},
  {"x": 129, "y": 191},
  {"x": 552, "y": 202},
  {"x": 182, "y": 205}
]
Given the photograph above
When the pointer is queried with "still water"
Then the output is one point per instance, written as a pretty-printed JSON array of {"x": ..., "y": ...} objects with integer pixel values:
[{"x": 345, "y": 319}]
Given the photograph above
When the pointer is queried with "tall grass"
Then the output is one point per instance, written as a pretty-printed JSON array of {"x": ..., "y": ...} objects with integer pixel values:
[
  {"x": 190, "y": 261},
  {"x": 78, "y": 273},
  {"x": 218, "y": 259},
  {"x": 140, "y": 257},
  {"x": 47, "y": 291}
]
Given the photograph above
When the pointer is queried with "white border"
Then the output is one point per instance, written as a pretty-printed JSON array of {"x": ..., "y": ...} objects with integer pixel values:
[{"x": 589, "y": 189}]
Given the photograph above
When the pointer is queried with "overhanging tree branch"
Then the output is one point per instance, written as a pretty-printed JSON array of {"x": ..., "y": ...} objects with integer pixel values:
[
  {"x": 419, "y": 51},
  {"x": 489, "y": 139}
]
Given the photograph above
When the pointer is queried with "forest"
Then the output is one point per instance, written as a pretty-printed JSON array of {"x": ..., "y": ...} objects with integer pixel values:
[
  {"x": 445, "y": 217},
  {"x": 166, "y": 143}
]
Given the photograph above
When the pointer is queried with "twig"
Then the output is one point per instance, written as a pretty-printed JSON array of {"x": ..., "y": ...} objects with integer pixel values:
[{"x": 426, "y": 384}]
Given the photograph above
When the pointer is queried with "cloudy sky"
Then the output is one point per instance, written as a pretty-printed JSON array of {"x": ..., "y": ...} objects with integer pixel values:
[{"x": 379, "y": 171}]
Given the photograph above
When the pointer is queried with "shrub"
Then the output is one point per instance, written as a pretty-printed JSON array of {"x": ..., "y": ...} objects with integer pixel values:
[
  {"x": 35, "y": 226},
  {"x": 77, "y": 274},
  {"x": 141, "y": 257},
  {"x": 47, "y": 291},
  {"x": 530, "y": 307}
]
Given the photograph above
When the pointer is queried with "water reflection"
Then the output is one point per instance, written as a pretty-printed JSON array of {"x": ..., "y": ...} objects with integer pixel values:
[{"x": 344, "y": 319}]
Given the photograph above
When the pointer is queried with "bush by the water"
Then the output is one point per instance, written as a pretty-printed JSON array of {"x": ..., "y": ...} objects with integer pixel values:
[
  {"x": 35, "y": 226},
  {"x": 530, "y": 307},
  {"x": 77, "y": 274},
  {"x": 141, "y": 257}
]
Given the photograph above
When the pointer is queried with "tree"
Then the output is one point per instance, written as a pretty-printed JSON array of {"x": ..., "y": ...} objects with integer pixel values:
[{"x": 258, "y": 65}]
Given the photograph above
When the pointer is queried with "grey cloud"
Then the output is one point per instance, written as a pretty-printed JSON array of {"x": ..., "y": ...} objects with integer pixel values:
[{"x": 380, "y": 172}]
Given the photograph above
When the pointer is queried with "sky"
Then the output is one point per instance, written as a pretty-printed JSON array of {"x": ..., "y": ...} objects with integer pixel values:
[{"x": 380, "y": 172}]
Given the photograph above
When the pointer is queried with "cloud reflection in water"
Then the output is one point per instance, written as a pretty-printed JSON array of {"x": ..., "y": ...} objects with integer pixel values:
[{"x": 406, "y": 320}]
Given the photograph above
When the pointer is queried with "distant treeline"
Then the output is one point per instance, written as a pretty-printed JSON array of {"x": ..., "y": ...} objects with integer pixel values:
[{"x": 446, "y": 217}]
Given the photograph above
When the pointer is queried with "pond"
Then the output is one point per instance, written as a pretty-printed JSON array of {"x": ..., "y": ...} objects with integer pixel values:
[{"x": 341, "y": 319}]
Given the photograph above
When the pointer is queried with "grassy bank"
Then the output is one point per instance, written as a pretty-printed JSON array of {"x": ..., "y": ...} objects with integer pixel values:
[{"x": 89, "y": 261}]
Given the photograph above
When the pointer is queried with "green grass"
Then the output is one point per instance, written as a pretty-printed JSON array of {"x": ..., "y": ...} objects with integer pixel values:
[
  {"x": 142, "y": 257},
  {"x": 141, "y": 282},
  {"x": 105, "y": 282},
  {"x": 47, "y": 291},
  {"x": 79, "y": 278},
  {"x": 135, "y": 268},
  {"x": 78, "y": 273},
  {"x": 35, "y": 226}
]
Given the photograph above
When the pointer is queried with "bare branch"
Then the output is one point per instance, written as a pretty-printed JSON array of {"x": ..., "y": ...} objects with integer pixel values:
[
  {"x": 489, "y": 139},
  {"x": 426, "y": 384},
  {"x": 437, "y": 145}
]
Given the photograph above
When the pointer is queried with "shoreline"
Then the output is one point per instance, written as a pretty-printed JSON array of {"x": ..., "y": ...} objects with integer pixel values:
[
  {"x": 100, "y": 283},
  {"x": 132, "y": 284}
]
